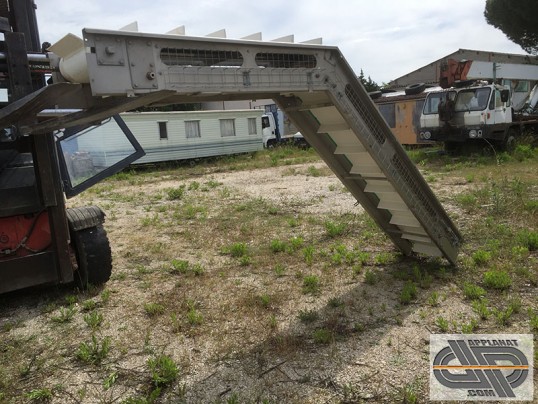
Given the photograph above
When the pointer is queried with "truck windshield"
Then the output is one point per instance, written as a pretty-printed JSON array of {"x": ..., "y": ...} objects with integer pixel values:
[
  {"x": 474, "y": 99},
  {"x": 431, "y": 105}
]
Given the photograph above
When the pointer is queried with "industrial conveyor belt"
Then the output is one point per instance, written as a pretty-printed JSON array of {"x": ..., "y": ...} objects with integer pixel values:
[{"x": 318, "y": 91}]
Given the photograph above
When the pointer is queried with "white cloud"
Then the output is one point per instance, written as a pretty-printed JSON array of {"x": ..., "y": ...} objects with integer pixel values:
[{"x": 386, "y": 38}]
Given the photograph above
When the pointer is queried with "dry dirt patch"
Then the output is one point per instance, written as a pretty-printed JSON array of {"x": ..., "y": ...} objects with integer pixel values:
[{"x": 239, "y": 327}]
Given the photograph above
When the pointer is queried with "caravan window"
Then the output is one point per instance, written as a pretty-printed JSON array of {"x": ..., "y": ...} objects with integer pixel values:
[
  {"x": 252, "y": 127},
  {"x": 227, "y": 127},
  {"x": 192, "y": 129},
  {"x": 163, "y": 130}
]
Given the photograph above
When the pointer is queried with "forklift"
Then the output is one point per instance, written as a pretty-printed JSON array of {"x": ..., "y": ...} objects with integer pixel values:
[{"x": 41, "y": 241}]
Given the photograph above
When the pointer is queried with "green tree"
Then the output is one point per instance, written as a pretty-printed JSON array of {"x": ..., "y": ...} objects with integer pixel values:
[
  {"x": 517, "y": 19},
  {"x": 368, "y": 83}
]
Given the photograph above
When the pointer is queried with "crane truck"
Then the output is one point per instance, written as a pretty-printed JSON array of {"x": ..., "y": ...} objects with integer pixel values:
[
  {"x": 482, "y": 101},
  {"x": 108, "y": 72}
]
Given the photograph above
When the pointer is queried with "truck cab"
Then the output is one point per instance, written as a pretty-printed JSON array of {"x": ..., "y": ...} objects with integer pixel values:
[
  {"x": 479, "y": 111},
  {"x": 271, "y": 135}
]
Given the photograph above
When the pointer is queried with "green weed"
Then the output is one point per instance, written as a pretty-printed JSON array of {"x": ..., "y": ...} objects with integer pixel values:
[
  {"x": 194, "y": 317},
  {"x": 311, "y": 284},
  {"x": 442, "y": 323},
  {"x": 481, "y": 257},
  {"x": 308, "y": 254},
  {"x": 93, "y": 352},
  {"x": 335, "y": 229},
  {"x": 163, "y": 369},
  {"x": 153, "y": 309},
  {"x": 278, "y": 246},
  {"x": 528, "y": 239},
  {"x": 175, "y": 193},
  {"x": 473, "y": 292},
  {"x": 237, "y": 250},
  {"x": 433, "y": 300},
  {"x": 65, "y": 315},
  {"x": 93, "y": 319},
  {"x": 371, "y": 277},
  {"x": 470, "y": 327},
  {"x": 280, "y": 270},
  {"x": 409, "y": 292},
  {"x": 180, "y": 266},
  {"x": 322, "y": 336},
  {"x": 41, "y": 395},
  {"x": 496, "y": 279},
  {"x": 309, "y": 316},
  {"x": 503, "y": 316},
  {"x": 480, "y": 306}
]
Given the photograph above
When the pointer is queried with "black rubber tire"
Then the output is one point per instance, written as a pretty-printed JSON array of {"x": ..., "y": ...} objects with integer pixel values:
[
  {"x": 94, "y": 256},
  {"x": 453, "y": 147},
  {"x": 510, "y": 140},
  {"x": 416, "y": 88},
  {"x": 462, "y": 83},
  {"x": 375, "y": 94}
]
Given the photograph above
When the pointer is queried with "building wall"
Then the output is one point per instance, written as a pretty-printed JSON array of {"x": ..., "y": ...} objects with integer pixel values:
[{"x": 429, "y": 74}]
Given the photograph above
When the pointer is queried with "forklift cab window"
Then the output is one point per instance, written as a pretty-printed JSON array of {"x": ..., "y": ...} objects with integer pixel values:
[{"x": 88, "y": 155}]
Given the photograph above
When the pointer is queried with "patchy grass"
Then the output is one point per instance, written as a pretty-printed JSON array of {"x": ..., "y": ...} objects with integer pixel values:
[{"x": 224, "y": 294}]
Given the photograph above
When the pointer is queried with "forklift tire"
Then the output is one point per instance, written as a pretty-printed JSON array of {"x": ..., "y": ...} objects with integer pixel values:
[{"x": 94, "y": 256}]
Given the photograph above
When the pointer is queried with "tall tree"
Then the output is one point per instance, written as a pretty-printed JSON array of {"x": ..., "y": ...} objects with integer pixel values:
[
  {"x": 368, "y": 84},
  {"x": 517, "y": 19}
]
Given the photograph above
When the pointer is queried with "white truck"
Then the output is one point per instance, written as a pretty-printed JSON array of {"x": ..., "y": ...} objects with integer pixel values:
[
  {"x": 274, "y": 131},
  {"x": 475, "y": 108}
]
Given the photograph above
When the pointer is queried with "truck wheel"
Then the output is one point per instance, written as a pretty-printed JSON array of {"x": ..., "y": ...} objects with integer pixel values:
[
  {"x": 509, "y": 143},
  {"x": 94, "y": 256},
  {"x": 453, "y": 147}
]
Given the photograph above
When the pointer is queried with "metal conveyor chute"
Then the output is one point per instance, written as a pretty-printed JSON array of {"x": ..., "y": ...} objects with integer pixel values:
[{"x": 318, "y": 91}]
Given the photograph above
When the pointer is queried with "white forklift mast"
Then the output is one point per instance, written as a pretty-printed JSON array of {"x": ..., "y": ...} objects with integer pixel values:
[{"x": 312, "y": 84}]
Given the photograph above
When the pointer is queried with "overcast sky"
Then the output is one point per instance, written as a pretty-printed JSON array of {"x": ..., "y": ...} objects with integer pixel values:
[{"x": 386, "y": 38}]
